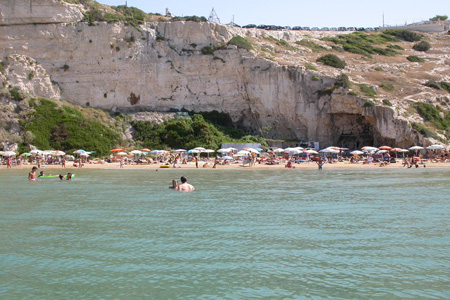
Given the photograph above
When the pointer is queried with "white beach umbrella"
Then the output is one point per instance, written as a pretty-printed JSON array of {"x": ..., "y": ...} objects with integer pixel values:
[
  {"x": 201, "y": 149},
  {"x": 292, "y": 151},
  {"x": 329, "y": 150},
  {"x": 356, "y": 152},
  {"x": 136, "y": 152},
  {"x": 59, "y": 153},
  {"x": 226, "y": 157},
  {"x": 369, "y": 148},
  {"x": 435, "y": 147},
  {"x": 311, "y": 151},
  {"x": 278, "y": 150},
  {"x": 381, "y": 151},
  {"x": 118, "y": 153},
  {"x": 179, "y": 150},
  {"x": 252, "y": 150},
  {"x": 243, "y": 153},
  {"x": 416, "y": 148},
  {"x": 37, "y": 152},
  {"x": 8, "y": 153},
  {"x": 224, "y": 150}
]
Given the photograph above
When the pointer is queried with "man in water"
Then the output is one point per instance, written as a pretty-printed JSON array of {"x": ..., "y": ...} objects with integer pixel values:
[
  {"x": 68, "y": 177},
  {"x": 184, "y": 186},
  {"x": 32, "y": 174},
  {"x": 174, "y": 185}
]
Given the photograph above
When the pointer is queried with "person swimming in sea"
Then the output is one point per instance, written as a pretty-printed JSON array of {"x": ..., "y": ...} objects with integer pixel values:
[
  {"x": 68, "y": 177},
  {"x": 184, "y": 186},
  {"x": 32, "y": 174},
  {"x": 174, "y": 185}
]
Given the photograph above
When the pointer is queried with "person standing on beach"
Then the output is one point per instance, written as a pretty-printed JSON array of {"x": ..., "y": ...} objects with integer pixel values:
[
  {"x": 196, "y": 161},
  {"x": 32, "y": 174},
  {"x": 184, "y": 186},
  {"x": 63, "y": 162}
]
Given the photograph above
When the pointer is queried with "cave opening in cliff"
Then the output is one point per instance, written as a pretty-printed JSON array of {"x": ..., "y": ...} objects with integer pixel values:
[{"x": 353, "y": 131}]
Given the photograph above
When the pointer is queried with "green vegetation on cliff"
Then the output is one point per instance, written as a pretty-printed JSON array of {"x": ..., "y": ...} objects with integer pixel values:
[
  {"x": 434, "y": 115},
  {"x": 64, "y": 127},
  {"x": 332, "y": 61},
  {"x": 363, "y": 43},
  {"x": 189, "y": 133}
]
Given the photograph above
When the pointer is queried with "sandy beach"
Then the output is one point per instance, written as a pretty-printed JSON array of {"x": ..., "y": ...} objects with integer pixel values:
[{"x": 191, "y": 165}]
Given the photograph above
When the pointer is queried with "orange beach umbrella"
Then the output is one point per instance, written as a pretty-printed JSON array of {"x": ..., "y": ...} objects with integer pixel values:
[{"x": 117, "y": 150}]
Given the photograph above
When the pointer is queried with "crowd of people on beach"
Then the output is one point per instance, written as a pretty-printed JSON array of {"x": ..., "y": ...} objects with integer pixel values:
[{"x": 251, "y": 158}]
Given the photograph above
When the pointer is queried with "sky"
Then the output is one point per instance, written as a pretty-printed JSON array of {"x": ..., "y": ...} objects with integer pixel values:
[{"x": 312, "y": 13}]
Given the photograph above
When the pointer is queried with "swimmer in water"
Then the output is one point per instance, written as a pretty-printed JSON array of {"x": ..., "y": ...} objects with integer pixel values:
[
  {"x": 174, "y": 185},
  {"x": 184, "y": 186},
  {"x": 32, "y": 174}
]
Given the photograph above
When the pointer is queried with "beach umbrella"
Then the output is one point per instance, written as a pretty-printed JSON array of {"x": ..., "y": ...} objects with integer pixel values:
[
  {"x": 357, "y": 152},
  {"x": 292, "y": 151},
  {"x": 8, "y": 153},
  {"x": 136, "y": 152},
  {"x": 122, "y": 153},
  {"x": 416, "y": 148},
  {"x": 278, "y": 150},
  {"x": 329, "y": 150},
  {"x": 179, "y": 150},
  {"x": 224, "y": 150},
  {"x": 403, "y": 152},
  {"x": 385, "y": 148},
  {"x": 86, "y": 154},
  {"x": 146, "y": 150},
  {"x": 79, "y": 151},
  {"x": 36, "y": 152},
  {"x": 117, "y": 150},
  {"x": 227, "y": 157},
  {"x": 26, "y": 154},
  {"x": 201, "y": 149},
  {"x": 381, "y": 151},
  {"x": 369, "y": 148},
  {"x": 59, "y": 153},
  {"x": 208, "y": 151},
  {"x": 311, "y": 151},
  {"x": 243, "y": 153},
  {"x": 435, "y": 147},
  {"x": 192, "y": 151},
  {"x": 252, "y": 150}
]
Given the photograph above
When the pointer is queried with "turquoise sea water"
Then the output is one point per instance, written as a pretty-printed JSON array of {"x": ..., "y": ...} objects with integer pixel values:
[{"x": 243, "y": 234}]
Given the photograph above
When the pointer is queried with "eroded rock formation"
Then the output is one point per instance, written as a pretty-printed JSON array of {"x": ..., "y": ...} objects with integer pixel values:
[{"x": 161, "y": 68}]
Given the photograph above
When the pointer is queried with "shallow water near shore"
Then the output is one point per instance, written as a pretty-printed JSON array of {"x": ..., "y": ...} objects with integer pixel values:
[{"x": 243, "y": 234}]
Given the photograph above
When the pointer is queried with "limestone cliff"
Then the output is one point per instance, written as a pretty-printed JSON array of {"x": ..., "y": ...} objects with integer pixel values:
[{"x": 160, "y": 67}]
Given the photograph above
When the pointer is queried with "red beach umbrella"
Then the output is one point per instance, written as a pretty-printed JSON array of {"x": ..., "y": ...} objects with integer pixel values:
[{"x": 117, "y": 150}]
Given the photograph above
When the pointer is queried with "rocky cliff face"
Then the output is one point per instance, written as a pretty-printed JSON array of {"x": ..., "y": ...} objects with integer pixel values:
[{"x": 160, "y": 67}]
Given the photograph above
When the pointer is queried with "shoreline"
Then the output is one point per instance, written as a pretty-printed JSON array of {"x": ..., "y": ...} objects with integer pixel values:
[{"x": 338, "y": 165}]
